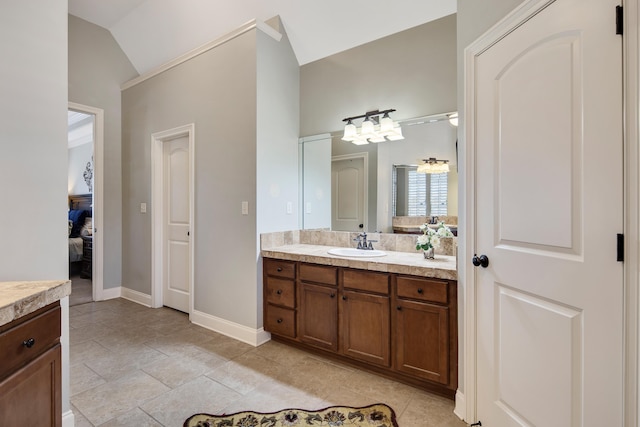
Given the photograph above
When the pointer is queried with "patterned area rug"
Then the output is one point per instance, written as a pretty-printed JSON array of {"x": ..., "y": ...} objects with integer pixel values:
[{"x": 379, "y": 415}]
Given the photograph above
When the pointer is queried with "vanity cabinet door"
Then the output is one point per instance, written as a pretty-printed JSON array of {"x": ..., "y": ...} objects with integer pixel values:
[
  {"x": 318, "y": 316},
  {"x": 365, "y": 327},
  {"x": 422, "y": 340}
]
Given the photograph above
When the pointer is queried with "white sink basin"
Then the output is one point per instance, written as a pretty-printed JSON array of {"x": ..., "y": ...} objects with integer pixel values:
[{"x": 356, "y": 253}]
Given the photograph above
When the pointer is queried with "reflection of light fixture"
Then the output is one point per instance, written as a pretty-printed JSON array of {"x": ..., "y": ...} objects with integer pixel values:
[
  {"x": 373, "y": 129},
  {"x": 432, "y": 165},
  {"x": 453, "y": 119}
]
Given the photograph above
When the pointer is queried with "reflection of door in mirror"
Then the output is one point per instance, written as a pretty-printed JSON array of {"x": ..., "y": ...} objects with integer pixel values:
[
  {"x": 419, "y": 194},
  {"x": 348, "y": 193}
]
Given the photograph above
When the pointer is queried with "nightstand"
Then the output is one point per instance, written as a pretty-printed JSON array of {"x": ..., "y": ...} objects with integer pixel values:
[{"x": 87, "y": 251}]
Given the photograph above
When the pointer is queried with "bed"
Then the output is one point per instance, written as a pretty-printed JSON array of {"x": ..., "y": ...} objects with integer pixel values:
[{"x": 80, "y": 223}]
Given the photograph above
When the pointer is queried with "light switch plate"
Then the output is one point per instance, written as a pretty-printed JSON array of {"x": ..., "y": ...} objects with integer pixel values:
[
  {"x": 245, "y": 208},
  {"x": 289, "y": 208},
  {"x": 143, "y": 208}
]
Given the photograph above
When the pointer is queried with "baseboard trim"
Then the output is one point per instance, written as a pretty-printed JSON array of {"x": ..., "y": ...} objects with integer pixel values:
[
  {"x": 68, "y": 419},
  {"x": 461, "y": 406},
  {"x": 135, "y": 296},
  {"x": 109, "y": 293},
  {"x": 254, "y": 337}
]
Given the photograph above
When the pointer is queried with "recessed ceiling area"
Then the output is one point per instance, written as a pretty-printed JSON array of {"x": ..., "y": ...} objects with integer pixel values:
[{"x": 153, "y": 32}]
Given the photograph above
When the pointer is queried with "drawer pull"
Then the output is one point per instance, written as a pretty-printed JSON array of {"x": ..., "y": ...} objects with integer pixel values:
[
  {"x": 279, "y": 320},
  {"x": 279, "y": 292},
  {"x": 420, "y": 291},
  {"x": 332, "y": 295},
  {"x": 279, "y": 269},
  {"x": 29, "y": 343},
  {"x": 344, "y": 297},
  {"x": 399, "y": 308}
]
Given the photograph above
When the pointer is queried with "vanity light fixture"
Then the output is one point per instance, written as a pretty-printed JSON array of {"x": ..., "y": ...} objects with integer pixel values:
[
  {"x": 373, "y": 129},
  {"x": 432, "y": 165},
  {"x": 453, "y": 118}
]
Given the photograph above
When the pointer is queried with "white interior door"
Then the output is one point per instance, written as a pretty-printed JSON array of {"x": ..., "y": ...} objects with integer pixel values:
[
  {"x": 547, "y": 129},
  {"x": 176, "y": 248},
  {"x": 348, "y": 194}
]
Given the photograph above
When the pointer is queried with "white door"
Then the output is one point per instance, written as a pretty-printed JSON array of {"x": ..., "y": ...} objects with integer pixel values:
[
  {"x": 176, "y": 252},
  {"x": 347, "y": 191},
  {"x": 548, "y": 194}
]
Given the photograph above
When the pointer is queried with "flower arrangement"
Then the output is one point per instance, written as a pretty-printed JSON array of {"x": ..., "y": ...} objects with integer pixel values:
[{"x": 430, "y": 238}]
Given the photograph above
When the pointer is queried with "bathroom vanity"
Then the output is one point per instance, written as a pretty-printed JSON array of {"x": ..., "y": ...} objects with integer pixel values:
[
  {"x": 30, "y": 353},
  {"x": 393, "y": 315}
]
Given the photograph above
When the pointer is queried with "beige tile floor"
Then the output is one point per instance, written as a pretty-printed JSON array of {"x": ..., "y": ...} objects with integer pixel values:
[{"x": 136, "y": 366}]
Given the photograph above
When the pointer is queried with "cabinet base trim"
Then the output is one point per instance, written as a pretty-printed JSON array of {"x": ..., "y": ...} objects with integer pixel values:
[
  {"x": 68, "y": 419},
  {"x": 254, "y": 337},
  {"x": 461, "y": 406}
]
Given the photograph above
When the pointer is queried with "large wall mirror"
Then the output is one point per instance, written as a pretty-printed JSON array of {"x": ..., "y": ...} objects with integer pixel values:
[{"x": 360, "y": 179}]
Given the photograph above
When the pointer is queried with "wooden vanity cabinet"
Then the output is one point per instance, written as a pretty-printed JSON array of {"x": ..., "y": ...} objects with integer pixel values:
[
  {"x": 400, "y": 326},
  {"x": 364, "y": 316},
  {"x": 318, "y": 306},
  {"x": 279, "y": 297},
  {"x": 425, "y": 338},
  {"x": 30, "y": 370}
]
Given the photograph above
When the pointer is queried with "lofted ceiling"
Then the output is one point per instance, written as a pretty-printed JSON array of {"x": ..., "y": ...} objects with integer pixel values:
[{"x": 153, "y": 32}]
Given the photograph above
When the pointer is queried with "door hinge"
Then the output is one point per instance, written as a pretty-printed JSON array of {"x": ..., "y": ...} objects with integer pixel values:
[
  {"x": 620, "y": 246},
  {"x": 619, "y": 20}
]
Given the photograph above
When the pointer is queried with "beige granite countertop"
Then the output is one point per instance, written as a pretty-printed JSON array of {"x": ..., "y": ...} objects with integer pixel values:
[
  {"x": 442, "y": 267},
  {"x": 20, "y": 298}
]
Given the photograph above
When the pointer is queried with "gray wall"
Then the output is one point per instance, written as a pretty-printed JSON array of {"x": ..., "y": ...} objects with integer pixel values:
[
  {"x": 413, "y": 71},
  {"x": 97, "y": 68},
  {"x": 33, "y": 134},
  {"x": 243, "y": 98}
]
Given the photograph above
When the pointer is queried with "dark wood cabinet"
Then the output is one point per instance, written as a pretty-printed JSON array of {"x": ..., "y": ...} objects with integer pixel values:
[
  {"x": 87, "y": 257},
  {"x": 30, "y": 370},
  {"x": 279, "y": 297},
  {"x": 400, "y": 326}
]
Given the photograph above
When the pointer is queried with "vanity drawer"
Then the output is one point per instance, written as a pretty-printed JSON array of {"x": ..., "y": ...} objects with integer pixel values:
[
  {"x": 366, "y": 281},
  {"x": 319, "y": 274},
  {"x": 280, "y": 321},
  {"x": 280, "y": 268},
  {"x": 281, "y": 292},
  {"x": 431, "y": 290},
  {"x": 27, "y": 340}
]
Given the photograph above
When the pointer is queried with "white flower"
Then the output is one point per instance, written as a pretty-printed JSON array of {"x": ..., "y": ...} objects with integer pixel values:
[
  {"x": 423, "y": 227},
  {"x": 435, "y": 241},
  {"x": 423, "y": 239}
]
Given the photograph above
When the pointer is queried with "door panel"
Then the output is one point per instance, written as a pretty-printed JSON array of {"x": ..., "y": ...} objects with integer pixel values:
[
  {"x": 548, "y": 197},
  {"x": 348, "y": 205},
  {"x": 177, "y": 216}
]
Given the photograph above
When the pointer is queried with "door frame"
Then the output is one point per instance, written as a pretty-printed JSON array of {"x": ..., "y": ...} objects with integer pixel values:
[
  {"x": 97, "y": 262},
  {"x": 157, "y": 212},
  {"x": 365, "y": 158},
  {"x": 466, "y": 399}
]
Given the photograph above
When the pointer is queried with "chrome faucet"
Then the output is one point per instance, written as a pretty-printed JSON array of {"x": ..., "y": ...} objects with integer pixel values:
[{"x": 363, "y": 243}]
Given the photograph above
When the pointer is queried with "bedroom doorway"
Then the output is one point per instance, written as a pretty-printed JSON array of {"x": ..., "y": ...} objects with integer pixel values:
[{"x": 85, "y": 187}]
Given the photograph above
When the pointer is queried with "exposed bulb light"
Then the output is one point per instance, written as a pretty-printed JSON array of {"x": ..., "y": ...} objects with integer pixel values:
[
  {"x": 432, "y": 165},
  {"x": 453, "y": 119},
  {"x": 373, "y": 128}
]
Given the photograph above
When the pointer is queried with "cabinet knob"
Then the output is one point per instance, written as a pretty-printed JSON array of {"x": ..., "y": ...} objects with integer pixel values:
[
  {"x": 279, "y": 320},
  {"x": 332, "y": 295},
  {"x": 420, "y": 290},
  {"x": 344, "y": 297},
  {"x": 399, "y": 308},
  {"x": 29, "y": 343},
  {"x": 279, "y": 292},
  {"x": 279, "y": 269}
]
